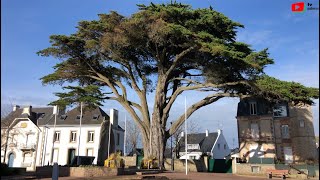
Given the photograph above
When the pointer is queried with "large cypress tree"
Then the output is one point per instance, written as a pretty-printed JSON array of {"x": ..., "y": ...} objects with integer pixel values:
[{"x": 167, "y": 49}]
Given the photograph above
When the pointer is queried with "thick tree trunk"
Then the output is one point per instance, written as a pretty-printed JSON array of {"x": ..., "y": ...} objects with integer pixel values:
[
  {"x": 158, "y": 142},
  {"x": 155, "y": 147}
]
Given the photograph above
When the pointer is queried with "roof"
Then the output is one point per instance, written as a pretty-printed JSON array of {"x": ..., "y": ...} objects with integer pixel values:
[
  {"x": 206, "y": 143},
  {"x": 70, "y": 118},
  {"x": 44, "y": 116},
  {"x": 34, "y": 116}
]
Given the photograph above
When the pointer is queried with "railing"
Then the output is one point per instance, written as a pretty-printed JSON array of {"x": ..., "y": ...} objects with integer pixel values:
[
  {"x": 12, "y": 144},
  {"x": 27, "y": 146}
]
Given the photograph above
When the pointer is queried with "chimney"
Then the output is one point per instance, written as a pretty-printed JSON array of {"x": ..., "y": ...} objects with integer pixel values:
[
  {"x": 55, "y": 110},
  {"x": 207, "y": 133},
  {"x": 219, "y": 131},
  {"x": 114, "y": 117},
  {"x": 27, "y": 110},
  {"x": 182, "y": 134},
  {"x": 15, "y": 107}
]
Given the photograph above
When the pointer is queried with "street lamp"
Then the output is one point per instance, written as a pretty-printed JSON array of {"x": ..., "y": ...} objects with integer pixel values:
[{"x": 172, "y": 161}]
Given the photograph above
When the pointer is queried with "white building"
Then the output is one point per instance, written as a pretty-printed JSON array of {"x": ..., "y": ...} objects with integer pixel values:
[
  {"x": 34, "y": 139},
  {"x": 211, "y": 144}
]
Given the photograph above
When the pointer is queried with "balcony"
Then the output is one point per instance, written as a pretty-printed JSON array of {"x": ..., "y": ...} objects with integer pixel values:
[
  {"x": 12, "y": 144},
  {"x": 27, "y": 147}
]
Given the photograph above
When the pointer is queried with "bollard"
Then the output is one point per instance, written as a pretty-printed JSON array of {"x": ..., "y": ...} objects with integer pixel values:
[{"x": 55, "y": 171}]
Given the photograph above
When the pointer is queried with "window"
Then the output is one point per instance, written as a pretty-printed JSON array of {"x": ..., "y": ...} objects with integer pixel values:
[
  {"x": 225, "y": 146},
  {"x": 41, "y": 115},
  {"x": 253, "y": 108},
  {"x": 90, "y": 136},
  {"x": 78, "y": 117},
  {"x": 56, "y": 136},
  {"x": 301, "y": 123},
  {"x": 254, "y": 130},
  {"x": 89, "y": 152},
  {"x": 118, "y": 139},
  {"x": 63, "y": 117},
  {"x": 280, "y": 111},
  {"x": 218, "y": 146},
  {"x": 255, "y": 169},
  {"x": 285, "y": 131},
  {"x": 192, "y": 157},
  {"x": 73, "y": 136},
  {"x": 95, "y": 117}
]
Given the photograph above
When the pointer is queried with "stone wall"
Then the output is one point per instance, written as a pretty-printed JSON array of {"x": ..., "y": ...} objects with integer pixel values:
[
  {"x": 95, "y": 171},
  {"x": 247, "y": 169},
  {"x": 179, "y": 165},
  {"x": 130, "y": 161},
  {"x": 89, "y": 171},
  {"x": 250, "y": 169}
]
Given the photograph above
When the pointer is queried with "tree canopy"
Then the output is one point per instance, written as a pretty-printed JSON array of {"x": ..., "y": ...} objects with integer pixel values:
[{"x": 167, "y": 49}]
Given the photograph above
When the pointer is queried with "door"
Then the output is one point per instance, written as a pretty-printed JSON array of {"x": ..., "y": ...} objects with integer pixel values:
[
  {"x": 71, "y": 154},
  {"x": 11, "y": 159},
  {"x": 288, "y": 158}
]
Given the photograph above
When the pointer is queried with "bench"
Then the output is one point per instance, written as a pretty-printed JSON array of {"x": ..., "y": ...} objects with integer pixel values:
[{"x": 272, "y": 172}]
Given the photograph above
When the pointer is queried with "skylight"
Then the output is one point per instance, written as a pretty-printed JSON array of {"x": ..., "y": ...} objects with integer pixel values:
[
  {"x": 95, "y": 117},
  {"x": 63, "y": 117},
  {"x": 78, "y": 117}
]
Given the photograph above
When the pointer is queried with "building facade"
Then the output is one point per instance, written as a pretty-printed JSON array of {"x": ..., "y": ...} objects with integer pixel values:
[
  {"x": 43, "y": 136},
  {"x": 279, "y": 131},
  {"x": 209, "y": 144}
]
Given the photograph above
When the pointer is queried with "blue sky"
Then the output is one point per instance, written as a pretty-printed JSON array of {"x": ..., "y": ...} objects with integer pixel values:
[{"x": 292, "y": 38}]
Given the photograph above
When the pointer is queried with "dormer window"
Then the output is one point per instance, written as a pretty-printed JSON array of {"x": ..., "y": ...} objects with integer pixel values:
[
  {"x": 41, "y": 115},
  {"x": 63, "y": 117},
  {"x": 280, "y": 111},
  {"x": 192, "y": 146},
  {"x": 253, "y": 108},
  {"x": 95, "y": 117},
  {"x": 78, "y": 117}
]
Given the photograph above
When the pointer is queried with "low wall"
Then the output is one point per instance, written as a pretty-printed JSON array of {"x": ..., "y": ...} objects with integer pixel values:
[
  {"x": 46, "y": 171},
  {"x": 89, "y": 171},
  {"x": 261, "y": 169},
  {"x": 179, "y": 165},
  {"x": 130, "y": 161},
  {"x": 95, "y": 171}
]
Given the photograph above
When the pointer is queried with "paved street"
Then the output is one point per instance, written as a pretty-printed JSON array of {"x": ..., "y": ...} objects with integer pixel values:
[{"x": 168, "y": 175}]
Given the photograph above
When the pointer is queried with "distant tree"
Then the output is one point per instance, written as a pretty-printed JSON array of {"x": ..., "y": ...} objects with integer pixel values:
[
  {"x": 133, "y": 136},
  {"x": 167, "y": 49},
  {"x": 192, "y": 128}
]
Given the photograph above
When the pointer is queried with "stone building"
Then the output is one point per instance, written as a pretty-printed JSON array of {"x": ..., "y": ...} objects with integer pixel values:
[{"x": 279, "y": 131}]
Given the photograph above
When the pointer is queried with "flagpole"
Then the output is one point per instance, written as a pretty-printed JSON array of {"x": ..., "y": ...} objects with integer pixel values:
[
  {"x": 109, "y": 135},
  {"x": 54, "y": 131},
  {"x": 125, "y": 132},
  {"x": 78, "y": 159},
  {"x": 185, "y": 128}
]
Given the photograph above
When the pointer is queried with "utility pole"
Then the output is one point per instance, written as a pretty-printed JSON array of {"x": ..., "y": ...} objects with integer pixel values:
[
  {"x": 172, "y": 161},
  {"x": 185, "y": 129},
  {"x": 78, "y": 159},
  {"x": 125, "y": 132},
  {"x": 54, "y": 131}
]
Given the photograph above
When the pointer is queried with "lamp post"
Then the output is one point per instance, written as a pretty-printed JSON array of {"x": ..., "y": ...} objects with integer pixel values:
[
  {"x": 172, "y": 161},
  {"x": 78, "y": 158}
]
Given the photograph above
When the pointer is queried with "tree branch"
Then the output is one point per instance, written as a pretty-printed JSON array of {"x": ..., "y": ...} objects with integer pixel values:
[
  {"x": 206, "y": 101},
  {"x": 177, "y": 59}
]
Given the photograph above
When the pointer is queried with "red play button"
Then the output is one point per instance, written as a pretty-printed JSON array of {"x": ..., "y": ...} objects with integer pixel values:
[{"x": 297, "y": 7}]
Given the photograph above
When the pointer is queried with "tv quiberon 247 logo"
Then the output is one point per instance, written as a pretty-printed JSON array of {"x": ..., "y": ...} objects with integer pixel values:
[{"x": 301, "y": 7}]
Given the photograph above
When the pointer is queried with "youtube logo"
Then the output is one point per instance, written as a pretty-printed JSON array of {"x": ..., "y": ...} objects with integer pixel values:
[{"x": 297, "y": 7}]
